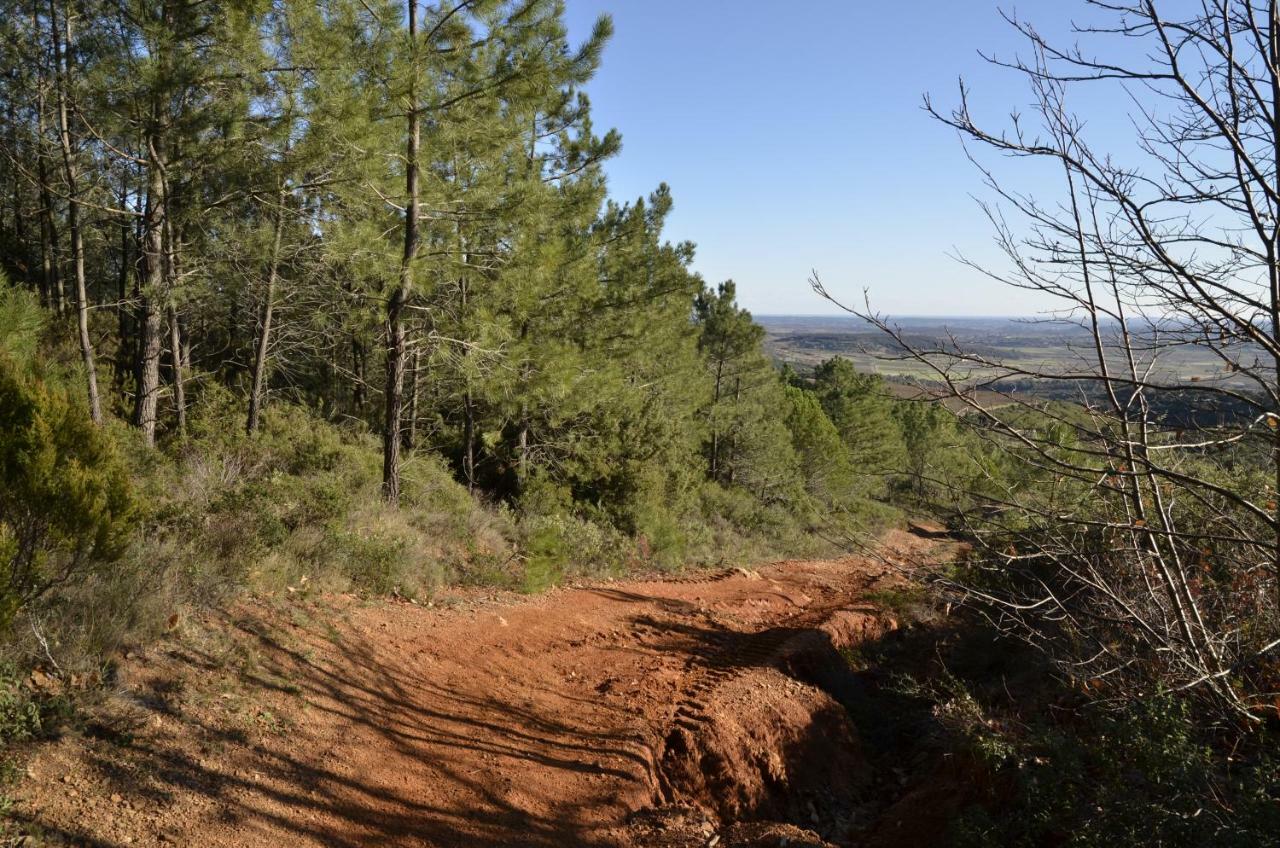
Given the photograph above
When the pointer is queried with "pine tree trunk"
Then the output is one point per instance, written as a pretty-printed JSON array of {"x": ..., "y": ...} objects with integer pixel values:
[
  {"x": 264, "y": 331},
  {"x": 51, "y": 279},
  {"x": 50, "y": 282},
  {"x": 715, "y": 429},
  {"x": 172, "y": 278},
  {"x": 149, "y": 343},
  {"x": 400, "y": 296},
  {"x": 177, "y": 360},
  {"x": 19, "y": 219},
  {"x": 87, "y": 354},
  {"x": 469, "y": 442},
  {"x": 522, "y": 437},
  {"x": 391, "y": 438},
  {"x": 144, "y": 413},
  {"x": 358, "y": 392},
  {"x": 124, "y": 346},
  {"x": 522, "y": 442},
  {"x": 62, "y": 71},
  {"x": 733, "y": 437}
]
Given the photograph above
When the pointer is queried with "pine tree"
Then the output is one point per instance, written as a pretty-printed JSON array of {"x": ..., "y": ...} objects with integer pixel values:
[
  {"x": 748, "y": 444},
  {"x": 861, "y": 409}
]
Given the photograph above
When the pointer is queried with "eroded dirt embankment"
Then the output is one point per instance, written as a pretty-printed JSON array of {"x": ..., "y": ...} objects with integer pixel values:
[{"x": 695, "y": 712}]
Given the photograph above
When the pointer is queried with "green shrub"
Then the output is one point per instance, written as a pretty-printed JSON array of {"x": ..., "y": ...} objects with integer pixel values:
[
  {"x": 661, "y": 537},
  {"x": 546, "y": 552},
  {"x": 543, "y": 496},
  {"x": 559, "y": 545},
  {"x": 1142, "y": 776},
  {"x": 65, "y": 501},
  {"x": 1045, "y": 765},
  {"x": 375, "y": 561},
  {"x": 24, "y": 714}
]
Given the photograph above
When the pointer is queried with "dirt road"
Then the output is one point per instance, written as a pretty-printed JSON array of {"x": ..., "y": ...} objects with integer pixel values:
[{"x": 627, "y": 713}]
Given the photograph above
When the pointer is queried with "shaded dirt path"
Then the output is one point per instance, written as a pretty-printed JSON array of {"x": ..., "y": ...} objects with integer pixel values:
[{"x": 562, "y": 720}]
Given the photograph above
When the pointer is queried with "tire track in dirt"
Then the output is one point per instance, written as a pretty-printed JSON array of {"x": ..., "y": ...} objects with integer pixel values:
[{"x": 736, "y": 771}]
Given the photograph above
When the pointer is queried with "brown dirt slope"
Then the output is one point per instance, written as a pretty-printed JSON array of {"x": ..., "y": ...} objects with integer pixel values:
[{"x": 638, "y": 713}]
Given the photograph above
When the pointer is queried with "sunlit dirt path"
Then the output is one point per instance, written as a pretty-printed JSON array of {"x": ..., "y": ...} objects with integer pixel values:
[{"x": 540, "y": 722}]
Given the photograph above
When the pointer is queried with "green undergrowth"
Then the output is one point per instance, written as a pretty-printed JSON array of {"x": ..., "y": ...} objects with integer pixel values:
[{"x": 1029, "y": 760}]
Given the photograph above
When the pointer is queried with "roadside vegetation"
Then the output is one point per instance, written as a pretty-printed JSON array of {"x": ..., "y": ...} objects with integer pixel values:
[{"x": 1014, "y": 754}]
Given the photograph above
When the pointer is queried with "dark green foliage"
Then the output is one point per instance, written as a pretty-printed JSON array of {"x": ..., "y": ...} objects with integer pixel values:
[
  {"x": 546, "y": 551},
  {"x": 1144, "y": 776},
  {"x": 27, "y": 715},
  {"x": 862, "y": 411},
  {"x": 22, "y": 322},
  {"x": 564, "y": 361},
  {"x": 1027, "y": 758},
  {"x": 747, "y": 442},
  {"x": 826, "y": 462},
  {"x": 65, "y": 501}
]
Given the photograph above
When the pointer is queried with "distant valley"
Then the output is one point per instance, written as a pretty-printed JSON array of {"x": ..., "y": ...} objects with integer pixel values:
[{"x": 804, "y": 341}]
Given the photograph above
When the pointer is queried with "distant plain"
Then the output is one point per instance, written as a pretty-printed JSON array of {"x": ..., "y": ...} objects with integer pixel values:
[{"x": 1028, "y": 344}]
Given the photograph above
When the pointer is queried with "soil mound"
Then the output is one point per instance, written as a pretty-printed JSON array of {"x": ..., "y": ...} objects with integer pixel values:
[{"x": 763, "y": 746}]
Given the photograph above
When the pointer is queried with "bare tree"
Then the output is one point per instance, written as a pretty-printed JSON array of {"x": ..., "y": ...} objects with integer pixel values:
[{"x": 1141, "y": 543}]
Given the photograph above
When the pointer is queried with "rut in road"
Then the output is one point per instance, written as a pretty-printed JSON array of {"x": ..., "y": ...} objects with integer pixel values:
[{"x": 550, "y": 721}]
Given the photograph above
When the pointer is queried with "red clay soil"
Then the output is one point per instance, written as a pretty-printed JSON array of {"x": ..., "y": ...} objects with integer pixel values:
[{"x": 665, "y": 713}]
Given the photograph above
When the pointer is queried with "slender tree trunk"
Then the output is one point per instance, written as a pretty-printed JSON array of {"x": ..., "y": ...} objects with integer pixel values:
[
  {"x": 715, "y": 426},
  {"x": 359, "y": 393},
  {"x": 733, "y": 437},
  {"x": 469, "y": 442},
  {"x": 522, "y": 443},
  {"x": 522, "y": 435},
  {"x": 149, "y": 344},
  {"x": 62, "y": 74},
  {"x": 19, "y": 221},
  {"x": 50, "y": 285},
  {"x": 172, "y": 278},
  {"x": 177, "y": 359},
  {"x": 264, "y": 325},
  {"x": 400, "y": 296},
  {"x": 1273, "y": 265},
  {"x": 50, "y": 281},
  {"x": 124, "y": 347},
  {"x": 411, "y": 431}
]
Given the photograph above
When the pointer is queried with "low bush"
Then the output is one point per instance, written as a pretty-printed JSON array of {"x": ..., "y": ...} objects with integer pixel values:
[
  {"x": 26, "y": 714},
  {"x": 1045, "y": 763},
  {"x": 1146, "y": 775},
  {"x": 559, "y": 545},
  {"x": 65, "y": 502}
]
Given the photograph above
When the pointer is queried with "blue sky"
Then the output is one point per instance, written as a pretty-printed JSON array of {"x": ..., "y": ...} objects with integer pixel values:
[{"x": 792, "y": 136}]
